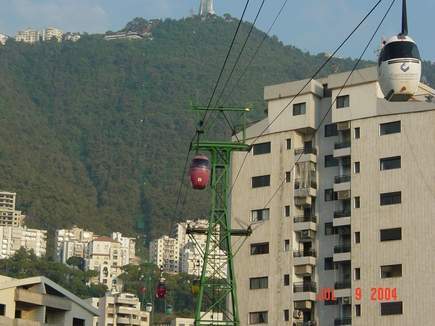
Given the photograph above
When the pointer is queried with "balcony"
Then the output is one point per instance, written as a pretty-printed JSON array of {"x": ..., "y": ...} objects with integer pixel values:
[
  {"x": 304, "y": 253},
  {"x": 306, "y": 155},
  {"x": 305, "y": 323},
  {"x": 342, "y": 183},
  {"x": 305, "y": 223},
  {"x": 304, "y": 287},
  {"x": 342, "y": 149},
  {"x": 342, "y": 213},
  {"x": 306, "y": 235},
  {"x": 343, "y": 321},
  {"x": 341, "y": 218},
  {"x": 342, "y": 285},
  {"x": 304, "y": 260},
  {"x": 342, "y": 248},
  {"x": 303, "y": 191},
  {"x": 342, "y": 178}
]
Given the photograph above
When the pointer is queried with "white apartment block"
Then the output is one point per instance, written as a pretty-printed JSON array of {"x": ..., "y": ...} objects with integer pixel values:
[
  {"x": 353, "y": 207},
  {"x": 121, "y": 309},
  {"x": 12, "y": 238},
  {"x": 3, "y": 39},
  {"x": 9, "y": 216},
  {"x": 52, "y": 33},
  {"x": 192, "y": 248},
  {"x": 72, "y": 243},
  {"x": 28, "y": 36},
  {"x": 73, "y": 37},
  {"x": 165, "y": 252}
]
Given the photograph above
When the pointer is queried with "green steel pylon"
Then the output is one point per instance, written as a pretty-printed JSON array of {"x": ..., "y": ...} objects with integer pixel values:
[{"x": 217, "y": 291}]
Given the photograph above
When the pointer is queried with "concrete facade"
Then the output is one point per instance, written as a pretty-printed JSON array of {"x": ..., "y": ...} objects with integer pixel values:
[
  {"x": 37, "y": 301},
  {"x": 9, "y": 216},
  {"x": 13, "y": 238},
  {"x": 165, "y": 252},
  {"x": 331, "y": 203},
  {"x": 28, "y": 36}
]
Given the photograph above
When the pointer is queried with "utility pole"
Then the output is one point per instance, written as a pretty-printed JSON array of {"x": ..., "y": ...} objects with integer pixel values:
[{"x": 218, "y": 291}]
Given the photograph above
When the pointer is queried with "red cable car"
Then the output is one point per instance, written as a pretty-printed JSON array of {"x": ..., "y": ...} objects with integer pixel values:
[
  {"x": 199, "y": 172},
  {"x": 161, "y": 289}
]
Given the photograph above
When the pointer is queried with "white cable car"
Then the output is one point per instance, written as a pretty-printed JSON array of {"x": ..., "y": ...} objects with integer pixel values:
[{"x": 399, "y": 65}]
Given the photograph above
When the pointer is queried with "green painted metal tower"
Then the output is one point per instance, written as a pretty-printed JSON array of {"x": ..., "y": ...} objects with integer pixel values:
[{"x": 217, "y": 291}]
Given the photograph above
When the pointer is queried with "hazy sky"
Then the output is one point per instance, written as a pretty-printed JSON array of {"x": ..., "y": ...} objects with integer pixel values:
[{"x": 313, "y": 25}]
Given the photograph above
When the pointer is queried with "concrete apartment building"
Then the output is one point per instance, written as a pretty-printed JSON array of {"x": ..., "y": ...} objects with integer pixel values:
[
  {"x": 121, "y": 309},
  {"x": 3, "y": 39},
  {"x": 13, "y": 238},
  {"x": 37, "y": 301},
  {"x": 345, "y": 204},
  {"x": 165, "y": 252},
  {"x": 9, "y": 216},
  {"x": 72, "y": 243},
  {"x": 52, "y": 33},
  {"x": 28, "y": 35}
]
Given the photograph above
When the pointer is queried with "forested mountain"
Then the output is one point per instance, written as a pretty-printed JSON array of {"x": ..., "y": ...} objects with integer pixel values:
[{"x": 95, "y": 133}]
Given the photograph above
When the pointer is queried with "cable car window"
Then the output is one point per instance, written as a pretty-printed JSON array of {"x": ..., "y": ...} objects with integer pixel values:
[
  {"x": 200, "y": 162},
  {"x": 396, "y": 50}
]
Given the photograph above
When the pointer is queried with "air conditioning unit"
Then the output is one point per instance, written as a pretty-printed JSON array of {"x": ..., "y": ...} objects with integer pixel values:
[
  {"x": 345, "y": 194},
  {"x": 346, "y": 300},
  {"x": 297, "y": 314},
  {"x": 343, "y": 125}
]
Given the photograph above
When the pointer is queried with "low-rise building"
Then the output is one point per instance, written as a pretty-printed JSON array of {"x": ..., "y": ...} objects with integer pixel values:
[
  {"x": 9, "y": 216},
  {"x": 37, "y": 301},
  {"x": 13, "y": 238},
  {"x": 73, "y": 37},
  {"x": 121, "y": 309},
  {"x": 72, "y": 243},
  {"x": 52, "y": 33},
  {"x": 28, "y": 35}
]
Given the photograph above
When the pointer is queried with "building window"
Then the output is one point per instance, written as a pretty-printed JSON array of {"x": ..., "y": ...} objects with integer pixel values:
[
  {"x": 286, "y": 315},
  {"x": 261, "y": 181},
  {"x": 258, "y": 317},
  {"x": 262, "y": 148},
  {"x": 286, "y": 279},
  {"x": 357, "y": 237},
  {"x": 329, "y": 228},
  {"x": 391, "y": 198},
  {"x": 357, "y": 274},
  {"x": 342, "y": 101},
  {"x": 331, "y": 130},
  {"x": 2, "y": 309},
  {"x": 287, "y": 211},
  {"x": 260, "y": 248},
  {"x": 287, "y": 245},
  {"x": 299, "y": 108},
  {"x": 356, "y": 167},
  {"x": 389, "y": 128},
  {"x": 256, "y": 283},
  {"x": 357, "y": 133},
  {"x": 330, "y": 161},
  {"x": 330, "y": 195},
  {"x": 289, "y": 143},
  {"x": 390, "y": 163},
  {"x": 356, "y": 202},
  {"x": 388, "y": 271},
  {"x": 288, "y": 176},
  {"x": 259, "y": 215},
  {"x": 358, "y": 310},
  {"x": 391, "y": 234},
  {"x": 78, "y": 322},
  {"x": 328, "y": 263},
  {"x": 391, "y": 308}
]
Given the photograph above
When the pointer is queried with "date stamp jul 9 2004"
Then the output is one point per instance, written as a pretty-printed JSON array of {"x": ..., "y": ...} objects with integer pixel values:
[{"x": 376, "y": 294}]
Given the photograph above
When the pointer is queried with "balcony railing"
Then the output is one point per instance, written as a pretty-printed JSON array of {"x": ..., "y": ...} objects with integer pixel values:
[
  {"x": 342, "y": 213},
  {"x": 341, "y": 145},
  {"x": 304, "y": 287},
  {"x": 301, "y": 219},
  {"x": 305, "y": 323},
  {"x": 301, "y": 151},
  {"x": 343, "y": 321},
  {"x": 304, "y": 253},
  {"x": 302, "y": 185},
  {"x": 342, "y": 285},
  {"x": 339, "y": 249},
  {"x": 342, "y": 178}
]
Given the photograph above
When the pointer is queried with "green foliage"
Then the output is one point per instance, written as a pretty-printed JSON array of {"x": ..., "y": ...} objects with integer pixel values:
[
  {"x": 94, "y": 133},
  {"x": 25, "y": 264}
]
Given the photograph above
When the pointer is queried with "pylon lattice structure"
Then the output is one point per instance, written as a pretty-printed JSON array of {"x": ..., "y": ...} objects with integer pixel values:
[
  {"x": 217, "y": 292},
  {"x": 206, "y": 7}
]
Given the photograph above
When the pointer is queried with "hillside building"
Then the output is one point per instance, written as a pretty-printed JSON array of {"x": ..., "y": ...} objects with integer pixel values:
[
  {"x": 73, "y": 37},
  {"x": 121, "y": 309},
  {"x": 38, "y": 301},
  {"x": 9, "y": 216},
  {"x": 72, "y": 243},
  {"x": 12, "y": 238},
  {"x": 206, "y": 7},
  {"x": 165, "y": 253},
  {"x": 51, "y": 33},
  {"x": 3, "y": 39},
  {"x": 345, "y": 202},
  {"x": 28, "y": 35}
]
